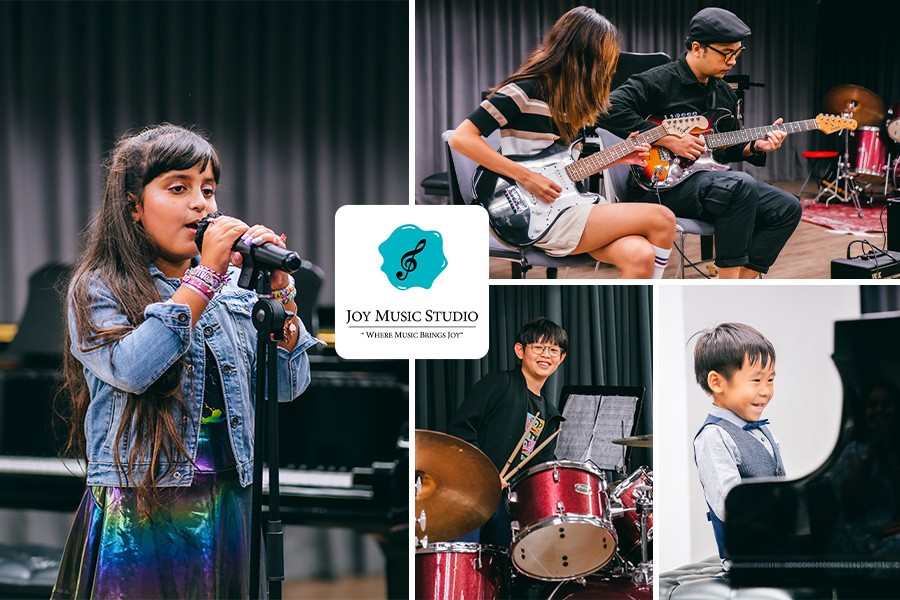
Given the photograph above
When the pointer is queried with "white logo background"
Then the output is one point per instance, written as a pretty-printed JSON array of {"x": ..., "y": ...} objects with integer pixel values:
[{"x": 373, "y": 319}]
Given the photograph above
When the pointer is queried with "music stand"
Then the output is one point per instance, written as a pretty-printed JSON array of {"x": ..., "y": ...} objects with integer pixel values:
[{"x": 595, "y": 415}]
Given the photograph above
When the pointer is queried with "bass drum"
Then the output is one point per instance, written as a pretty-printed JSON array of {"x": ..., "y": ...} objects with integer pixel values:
[
  {"x": 463, "y": 571},
  {"x": 606, "y": 587}
]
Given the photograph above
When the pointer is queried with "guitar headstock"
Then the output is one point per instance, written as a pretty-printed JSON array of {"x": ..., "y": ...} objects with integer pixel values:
[
  {"x": 831, "y": 123},
  {"x": 681, "y": 126}
]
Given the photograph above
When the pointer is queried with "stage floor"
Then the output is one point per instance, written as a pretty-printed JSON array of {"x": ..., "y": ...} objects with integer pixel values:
[
  {"x": 807, "y": 255},
  {"x": 348, "y": 588}
]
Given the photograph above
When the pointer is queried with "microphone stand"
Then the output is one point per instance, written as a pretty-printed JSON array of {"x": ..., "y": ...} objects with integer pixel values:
[{"x": 269, "y": 317}]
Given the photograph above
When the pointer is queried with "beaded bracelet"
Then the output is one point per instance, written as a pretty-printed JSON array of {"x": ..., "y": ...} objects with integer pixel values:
[
  {"x": 204, "y": 281},
  {"x": 287, "y": 293},
  {"x": 213, "y": 278}
]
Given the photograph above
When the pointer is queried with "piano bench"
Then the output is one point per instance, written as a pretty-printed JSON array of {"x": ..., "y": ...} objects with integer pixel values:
[
  {"x": 28, "y": 571},
  {"x": 704, "y": 580}
]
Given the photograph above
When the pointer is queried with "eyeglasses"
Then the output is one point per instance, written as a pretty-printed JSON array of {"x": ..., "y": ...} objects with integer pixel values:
[
  {"x": 730, "y": 55},
  {"x": 539, "y": 349}
]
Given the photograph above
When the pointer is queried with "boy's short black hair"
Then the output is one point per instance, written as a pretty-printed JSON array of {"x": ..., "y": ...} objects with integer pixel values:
[
  {"x": 724, "y": 349},
  {"x": 544, "y": 330}
]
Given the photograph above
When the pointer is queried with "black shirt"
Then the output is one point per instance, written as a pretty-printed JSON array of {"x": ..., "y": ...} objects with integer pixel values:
[
  {"x": 671, "y": 90},
  {"x": 494, "y": 415}
]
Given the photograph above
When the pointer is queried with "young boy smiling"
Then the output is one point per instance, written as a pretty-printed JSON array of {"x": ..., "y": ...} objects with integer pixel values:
[
  {"x": 503, "y": 404},
  {"x": 735, "y": 364}
]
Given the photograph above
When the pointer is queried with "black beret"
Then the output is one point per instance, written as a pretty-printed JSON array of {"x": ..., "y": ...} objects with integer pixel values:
[{"x": 717, "y": 25}]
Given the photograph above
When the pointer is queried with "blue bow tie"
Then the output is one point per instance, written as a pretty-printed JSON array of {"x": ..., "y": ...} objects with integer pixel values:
[{"x": 755, "y": 424}]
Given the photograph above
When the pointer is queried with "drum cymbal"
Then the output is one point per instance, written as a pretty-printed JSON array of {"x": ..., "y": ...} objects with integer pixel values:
[
  {"x": 636, "y": 441},
  {"x": 865, "y": 106},
  {"x": 460, "y": 485}
]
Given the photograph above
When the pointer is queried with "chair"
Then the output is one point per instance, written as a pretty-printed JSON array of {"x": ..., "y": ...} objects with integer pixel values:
[
  {"x": 631, "y": 63},
  {"x": 614, "y": 190},
  {"x": 461, "y": 171}
]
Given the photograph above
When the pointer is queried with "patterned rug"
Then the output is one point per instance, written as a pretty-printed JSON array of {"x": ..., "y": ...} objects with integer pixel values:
[{"x": 843, "y": 218}]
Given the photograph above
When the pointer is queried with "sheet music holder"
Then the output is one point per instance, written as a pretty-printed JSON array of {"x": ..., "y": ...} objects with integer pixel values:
[{"x": 595, "y": 415}]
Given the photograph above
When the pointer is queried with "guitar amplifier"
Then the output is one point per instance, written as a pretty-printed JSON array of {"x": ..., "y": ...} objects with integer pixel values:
[
  {"x": 893, "y": 216},
  {"x": 871, "y": 265}
]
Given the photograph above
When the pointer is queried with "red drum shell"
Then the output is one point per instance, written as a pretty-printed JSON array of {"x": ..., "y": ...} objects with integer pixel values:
[
  {"x": 564, "y": 530},
  {"x": 628, "y": 526},
  {"x": 868, "y": 154},
  {"x": 462, "y": 570},
  {"x": 893, "y": 123}
]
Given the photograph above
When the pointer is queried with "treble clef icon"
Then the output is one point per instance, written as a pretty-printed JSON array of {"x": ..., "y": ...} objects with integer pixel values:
[{"x": 408, "y": 261}]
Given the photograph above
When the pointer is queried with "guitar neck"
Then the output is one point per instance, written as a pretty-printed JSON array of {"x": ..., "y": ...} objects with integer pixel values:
[
  {"x": 584, "y": 168},
  {"x": 731, "y": 138}
]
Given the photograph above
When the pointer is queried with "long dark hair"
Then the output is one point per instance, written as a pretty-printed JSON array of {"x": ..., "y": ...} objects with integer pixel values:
[
  {"x": 574, "y": 64},
  {"x": 118, "y": 252}
]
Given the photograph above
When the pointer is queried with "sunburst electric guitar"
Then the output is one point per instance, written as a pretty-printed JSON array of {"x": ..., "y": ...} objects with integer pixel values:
[
  {"x": 665, "y": 170},
  {"x": 521, "y": 219}
]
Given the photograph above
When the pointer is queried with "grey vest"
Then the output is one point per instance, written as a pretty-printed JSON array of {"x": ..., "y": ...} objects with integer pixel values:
[{"x": 755, "y": 459}]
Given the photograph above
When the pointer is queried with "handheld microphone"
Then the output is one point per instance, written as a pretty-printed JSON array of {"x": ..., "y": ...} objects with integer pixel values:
[{"x": 267, "y": 255}]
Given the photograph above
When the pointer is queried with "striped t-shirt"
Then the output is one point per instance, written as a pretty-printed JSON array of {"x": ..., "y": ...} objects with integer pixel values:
[{"x": 521, "y": 114}]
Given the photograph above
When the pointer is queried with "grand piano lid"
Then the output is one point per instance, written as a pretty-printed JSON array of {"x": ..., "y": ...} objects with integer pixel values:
[{"x": 840, "y": 525}]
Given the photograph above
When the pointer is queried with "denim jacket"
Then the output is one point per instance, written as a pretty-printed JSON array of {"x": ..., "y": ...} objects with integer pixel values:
[{"x": 133, "y": 363}]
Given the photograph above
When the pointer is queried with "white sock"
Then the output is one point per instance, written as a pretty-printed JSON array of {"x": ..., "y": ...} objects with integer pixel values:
[{"x": 662, "y": 259}]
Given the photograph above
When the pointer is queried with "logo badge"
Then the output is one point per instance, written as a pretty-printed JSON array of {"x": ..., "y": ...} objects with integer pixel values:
[{"x": 412, "y": 257}]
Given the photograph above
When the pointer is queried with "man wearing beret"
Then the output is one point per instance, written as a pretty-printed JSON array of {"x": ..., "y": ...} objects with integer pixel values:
[{"x": 753, "y": 220}]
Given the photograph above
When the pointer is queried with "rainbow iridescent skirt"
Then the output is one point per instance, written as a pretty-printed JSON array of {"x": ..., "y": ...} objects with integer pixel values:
[{"x": 197, "y": 545}]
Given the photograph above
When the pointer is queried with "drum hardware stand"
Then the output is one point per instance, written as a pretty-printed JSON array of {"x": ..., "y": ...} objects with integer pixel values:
[
  {"x": 887, "y": 174},
  {"x": 850, "y": 189},
  {"x": 643, "y": 573},
  {"x": 422, "y": 521}
]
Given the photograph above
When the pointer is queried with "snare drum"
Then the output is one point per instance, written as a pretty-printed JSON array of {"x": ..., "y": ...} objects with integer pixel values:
[
  {"x": 628, "y": 526},
  {"x": 868, "y": 154},
  {"x": 462, "y": 570},
  {"x": 561, "y": 525}
]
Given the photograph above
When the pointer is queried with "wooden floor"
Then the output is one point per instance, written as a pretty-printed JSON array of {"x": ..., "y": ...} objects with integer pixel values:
[
  {"x": 347, "y": 588},
  {"x": 807, "y": 255}
]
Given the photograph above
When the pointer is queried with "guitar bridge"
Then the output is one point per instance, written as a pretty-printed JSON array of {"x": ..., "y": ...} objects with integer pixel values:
[{"x": 516, "y": 203}]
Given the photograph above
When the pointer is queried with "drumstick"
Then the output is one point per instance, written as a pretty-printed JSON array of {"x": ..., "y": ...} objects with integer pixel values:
[
  {"x": 519, "y": 445},
  {"x": 530, "y": 456}
]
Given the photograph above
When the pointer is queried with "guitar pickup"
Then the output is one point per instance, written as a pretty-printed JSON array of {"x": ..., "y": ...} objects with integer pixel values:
[{"x": 516, "y": 203}]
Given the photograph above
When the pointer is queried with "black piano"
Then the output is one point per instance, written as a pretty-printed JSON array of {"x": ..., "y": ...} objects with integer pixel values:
[
  {"x": 834, "y": 533},
  {"x": 344, "y": 444}
]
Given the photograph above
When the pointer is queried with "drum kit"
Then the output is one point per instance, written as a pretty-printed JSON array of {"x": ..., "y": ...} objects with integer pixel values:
[
  {"x": 870, "y": 162},
  {"x": 571, "y": 530}
]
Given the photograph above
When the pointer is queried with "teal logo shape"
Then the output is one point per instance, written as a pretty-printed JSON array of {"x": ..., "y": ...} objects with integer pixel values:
[{"x": 412, "y": 257}]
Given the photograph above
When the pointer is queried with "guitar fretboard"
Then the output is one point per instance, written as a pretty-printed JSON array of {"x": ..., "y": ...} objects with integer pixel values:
[
  {"x": 731, "y": 138},
  {"x": 584, "y": 168}
]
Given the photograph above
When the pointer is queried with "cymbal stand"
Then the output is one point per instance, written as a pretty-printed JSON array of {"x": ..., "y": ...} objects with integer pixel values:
[{"x": 849, "y": 190}]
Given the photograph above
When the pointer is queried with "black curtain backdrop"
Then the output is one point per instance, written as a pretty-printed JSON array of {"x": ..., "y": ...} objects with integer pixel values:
[
  {"x": 610, "y": 343},
  {"x": 799, "y": 49},
  {"x": 306, "y": 102}
]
